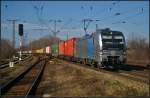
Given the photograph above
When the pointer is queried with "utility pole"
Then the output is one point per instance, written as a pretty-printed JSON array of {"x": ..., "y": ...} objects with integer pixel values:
[
  {"x": 30, "y": 45},
  {"x": 96, "y": 26},
  {"x": 13, "y": 37},
  {"x": 67, "y": 35},
  {"x": 55, "y": 31},
  {"x": 86, "y": 23}
]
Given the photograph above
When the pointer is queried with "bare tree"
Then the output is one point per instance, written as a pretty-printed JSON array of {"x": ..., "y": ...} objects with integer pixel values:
[
  {"x": 42, "y": 42},
  {"x": 138, "y": 50},
  {"x": 7, "y": 50}
]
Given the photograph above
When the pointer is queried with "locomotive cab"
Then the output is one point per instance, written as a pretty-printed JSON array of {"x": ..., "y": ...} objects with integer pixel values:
[{"x": 112, "y": 47}]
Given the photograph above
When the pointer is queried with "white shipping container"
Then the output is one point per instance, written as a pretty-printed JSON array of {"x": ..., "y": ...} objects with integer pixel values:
[
  {"x": 48, "y": 49},
  {"x": 30, "y": 51}
]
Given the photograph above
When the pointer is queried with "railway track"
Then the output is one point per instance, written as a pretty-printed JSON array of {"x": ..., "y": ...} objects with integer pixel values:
[
  {"x": 25, "y": 83},
  {"x": 15, "y": 62},
  {"x": 140, "y": 77}
]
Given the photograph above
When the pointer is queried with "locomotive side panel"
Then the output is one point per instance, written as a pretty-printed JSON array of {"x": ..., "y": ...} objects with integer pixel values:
[{"x": 96, "y": 48}]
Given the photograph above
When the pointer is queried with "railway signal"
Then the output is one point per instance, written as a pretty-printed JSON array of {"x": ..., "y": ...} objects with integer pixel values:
[
  {"x": 21, "y": 36},
  {"x": 21, "y": 29}
]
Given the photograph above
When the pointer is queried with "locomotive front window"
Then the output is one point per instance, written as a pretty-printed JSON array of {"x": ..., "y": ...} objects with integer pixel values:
[
  {"x": 113, "y": 40},
  {"x": 118, "y": 39},
  {"x": 107, "y": 37}
]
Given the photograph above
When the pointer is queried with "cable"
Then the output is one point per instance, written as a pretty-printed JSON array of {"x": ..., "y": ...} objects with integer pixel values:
[
  {"x": 123, "y": 20},
  {"x": 67, "y": 23},
  {"x": 41, "y": 21}
]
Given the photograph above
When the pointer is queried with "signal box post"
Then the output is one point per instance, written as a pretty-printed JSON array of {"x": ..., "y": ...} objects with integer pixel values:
[{"x": 21, "y": 35}]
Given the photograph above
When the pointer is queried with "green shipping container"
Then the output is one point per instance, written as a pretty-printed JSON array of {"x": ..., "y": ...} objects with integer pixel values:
[{"x": 54, "y": 49}]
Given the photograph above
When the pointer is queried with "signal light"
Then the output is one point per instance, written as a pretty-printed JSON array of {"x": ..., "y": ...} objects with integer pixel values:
[{"x": 21, "y": 29}]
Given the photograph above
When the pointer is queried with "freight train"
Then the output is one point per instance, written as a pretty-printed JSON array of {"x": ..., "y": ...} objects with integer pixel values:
[{"x": 103, "y": 48}]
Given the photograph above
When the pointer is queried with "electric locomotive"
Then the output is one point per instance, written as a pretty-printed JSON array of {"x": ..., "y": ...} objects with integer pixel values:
[{"x": 109, "y": 48}]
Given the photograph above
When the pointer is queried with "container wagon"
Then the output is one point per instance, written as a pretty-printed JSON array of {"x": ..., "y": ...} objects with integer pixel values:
[
  {"x": 40, "y": 51},
  {"x": 84, "y": 50},
  {"x": 69, "y": 48},
  {"x": 61, "y": 49},
  {"x": 77, "y": 51},
  {"x": 47, "y": 51},
  {"x": 54, "y": 50}
]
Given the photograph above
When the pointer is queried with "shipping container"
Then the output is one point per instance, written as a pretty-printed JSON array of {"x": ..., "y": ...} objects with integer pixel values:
[
  {"x": 40, "y": 50},
  {"x": 90, "y": 47},
  {"x": 70, "y": 47},
  {"x": 54, "y": 49},
  {"x": 84, "y": 47},
  {"x": 65, "y": 48},
  {"x": 30, "y": 51},
  {"x": 61, "y": 48},
  {"x": 47, "y": 50},
  {"x": 77, "y": 51}
]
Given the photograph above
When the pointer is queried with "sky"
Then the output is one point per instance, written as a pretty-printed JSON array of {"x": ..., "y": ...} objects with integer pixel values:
[{"x": 129, "y": 17}]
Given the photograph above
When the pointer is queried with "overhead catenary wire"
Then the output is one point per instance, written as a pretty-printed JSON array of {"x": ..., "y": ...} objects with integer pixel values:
[
  {"x": 39, "y": 15},
  {"x": 55, "y": 31},
  {"x": 86, "y": 22},
  {"x": 127, "y": 18},
  {"x": 119, "y": 14},
  {"x": 103, "y": 19},
  {"x": 66, "y": 23},
  {"x": 114, "y": 15}
]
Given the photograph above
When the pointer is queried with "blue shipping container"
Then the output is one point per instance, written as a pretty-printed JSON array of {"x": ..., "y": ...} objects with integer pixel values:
[
  {"x": 84, "y": 47},
  {"x": 90, "y": 45}
]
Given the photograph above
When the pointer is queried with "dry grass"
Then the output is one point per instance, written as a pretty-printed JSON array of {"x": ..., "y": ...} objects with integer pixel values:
[{"x": 70, "y": 80}]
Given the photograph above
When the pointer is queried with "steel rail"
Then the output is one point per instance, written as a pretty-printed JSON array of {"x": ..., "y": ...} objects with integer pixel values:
[
  {"x": 10, "y": 83},
  {"x": 33, "y": 87},
  {"x": 16, "y": 61}
]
